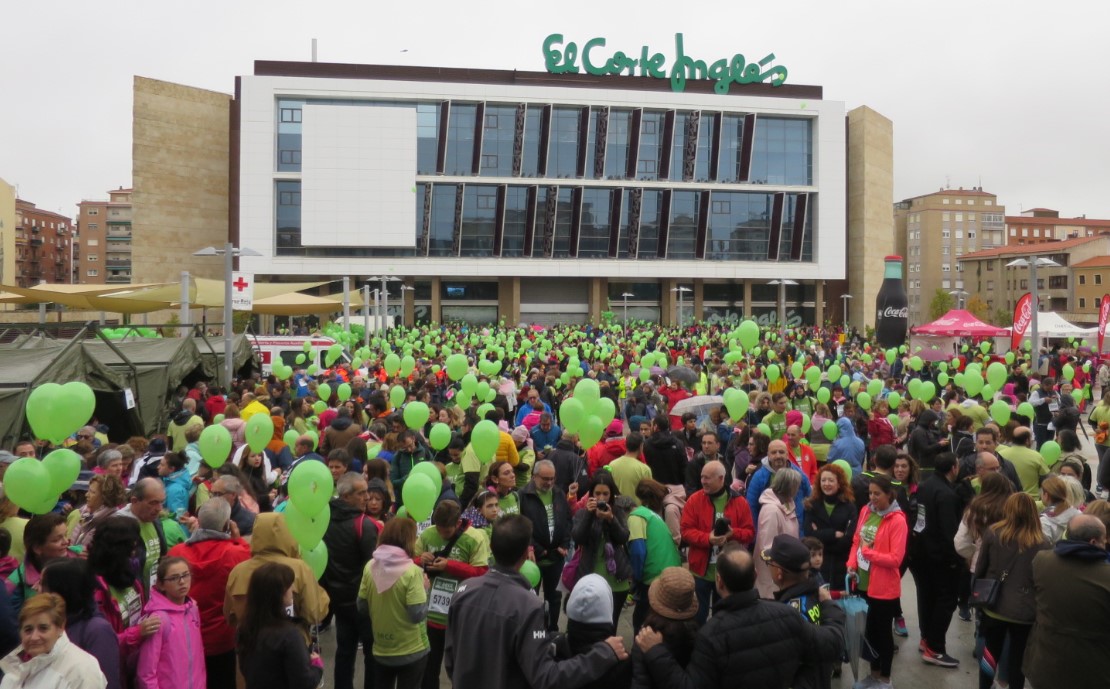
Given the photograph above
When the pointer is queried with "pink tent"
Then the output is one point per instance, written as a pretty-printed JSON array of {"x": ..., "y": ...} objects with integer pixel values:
[{"x": 959, "y": 323}]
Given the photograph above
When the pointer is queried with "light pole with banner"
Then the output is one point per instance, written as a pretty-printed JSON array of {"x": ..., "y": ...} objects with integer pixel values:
[
  {"x": 844, "y": 299},
  {"x": 229, "y": 252},
  {"x": 1032, "y": 262}
]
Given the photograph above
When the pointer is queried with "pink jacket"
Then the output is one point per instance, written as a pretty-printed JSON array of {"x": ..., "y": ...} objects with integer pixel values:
[
  {"x": 885, "y": 555},
  {"x": 173, "y": 657}
]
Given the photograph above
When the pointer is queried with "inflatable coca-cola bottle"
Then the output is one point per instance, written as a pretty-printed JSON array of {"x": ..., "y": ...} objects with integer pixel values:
[{"x": 892, "y": 311}]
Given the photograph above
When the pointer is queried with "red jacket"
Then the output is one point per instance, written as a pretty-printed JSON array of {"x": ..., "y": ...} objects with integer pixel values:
[
  {"x": 603, "y": 453},
  {"x": 805, "y": 460},
  {"x": 885, "y": 554},
  {"x": 880, "y": 432},
  {"x": 211, "y": 562},
  {"x": 697, "y": 526}
]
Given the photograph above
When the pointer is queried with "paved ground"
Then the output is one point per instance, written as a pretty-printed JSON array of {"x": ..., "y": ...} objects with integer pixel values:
[{"x": 908, "y": 673}]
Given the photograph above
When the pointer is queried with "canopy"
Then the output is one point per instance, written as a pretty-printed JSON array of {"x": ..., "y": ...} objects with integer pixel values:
[
  {"x": 145, "y": 298},
  {"x": 209, "y": 294},
  {"x": 85, "y": 297},
  {"x": 1052, "y": 324},
  {"x": 959, "y": 323},
  {"x": 296, "y": 304}
]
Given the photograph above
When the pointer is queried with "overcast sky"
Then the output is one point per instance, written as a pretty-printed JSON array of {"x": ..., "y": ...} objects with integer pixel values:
[{"x": 1012, "y": 94}]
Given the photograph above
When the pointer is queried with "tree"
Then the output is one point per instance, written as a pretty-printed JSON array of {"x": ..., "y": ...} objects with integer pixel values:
[
  {"x": 1002, "y": 318},
  {"x": 978, "y": 308},
  {"x": 941, "y": 304}
]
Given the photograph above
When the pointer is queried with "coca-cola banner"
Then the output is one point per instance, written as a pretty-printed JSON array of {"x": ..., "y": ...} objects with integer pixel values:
[
  {"x": 1023, "y": 314},
  {"x": 1103, "y": 313}
]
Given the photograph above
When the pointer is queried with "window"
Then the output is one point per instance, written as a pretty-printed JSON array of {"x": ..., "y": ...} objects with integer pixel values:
[
  {"x": 946, "y": 284},
  {"x": 990, "y": 265},
  {"x": 959, "y": 217},
  {"x": 93, "y": 226},
  {"x": 1025, "y": 232},
  {"x": 990, "y": 284},
  {"x": 959, "y": 234},
  {"x": 1082, "y": 303},
  {"x": 945, "y": 268},
  {"x": 971, "y": 202},
  {"x": 944, "y": 250},
  {"x": 94, "y": 242},
  {"x": 959, "y": 202},
  {"x": 1036, "y": 232},
  {"x": 291, "y": 114},
  {"x": 959, "y": 267},
  {"x": 946, "y": 216},
  {"x": 945, "y": 234},
  {"x": 1013, "y": 232},
  {"x": 91, "y": 211},
  {"x": 1024, "y": 284},
  {"x": 1058, "y": 282},
  {"x": 92, "y": 273},
  {"x": 970, "y": 216},
  {"x": 92, "y": 258},
  {"x": 1082, "y": 279},
  {"x": 1098, "y": 279},
  {"x": 971, "y": 234},
  {"x": 944, "y": 201}
]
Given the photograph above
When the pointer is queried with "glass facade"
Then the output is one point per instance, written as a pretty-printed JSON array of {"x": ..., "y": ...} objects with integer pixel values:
[{"x": 524, "y": 154}]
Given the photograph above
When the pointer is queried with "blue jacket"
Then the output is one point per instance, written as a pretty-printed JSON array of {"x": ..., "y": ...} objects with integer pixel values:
[
  {"x": 761, "y": 480},
  {"x": 525, "y": 410},
  {"x": 847, "y": 446},
  {"x": 541, "y": 440},
  {"x": 177, "y": 490}
]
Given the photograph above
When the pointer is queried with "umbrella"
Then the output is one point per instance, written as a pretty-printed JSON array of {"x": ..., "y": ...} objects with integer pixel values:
[
  {"x": 855, "y": 610},
  {"x": 683, "y": 374},
  {"x": 697, "y": 405}
]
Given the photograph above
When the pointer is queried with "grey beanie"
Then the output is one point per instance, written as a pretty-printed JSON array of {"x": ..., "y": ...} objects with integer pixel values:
[{"x": 591, "y": 601}]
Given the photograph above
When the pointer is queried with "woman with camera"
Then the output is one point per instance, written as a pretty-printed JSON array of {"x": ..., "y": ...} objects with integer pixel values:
[{"x": 601, "y": 534}]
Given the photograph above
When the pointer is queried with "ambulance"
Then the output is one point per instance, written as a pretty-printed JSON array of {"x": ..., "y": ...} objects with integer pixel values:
[{"x": 286, "y": 348}]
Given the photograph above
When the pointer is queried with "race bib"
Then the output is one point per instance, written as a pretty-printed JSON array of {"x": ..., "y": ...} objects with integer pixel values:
[
  {"x": 1054, "y": 407},
  {"x": 443, "y": 590},
  {"x": 862, "y": 562}
]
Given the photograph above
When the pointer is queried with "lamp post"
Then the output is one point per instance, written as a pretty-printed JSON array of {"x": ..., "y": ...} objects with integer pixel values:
[
  {"x": 844, "y": 298},
  {"x": 405, "y": 288},
  {"x": 782, "y": 303},
  {"x": 1032, "y": 262},
  {"x": 366, "y": 311},
  {"x": 626, "y": 296},
  {"x": 385, "y": 296},
  {"x": 229, "y": 252},
  {"x": 681, "y": 291},
  {"x": 961, "y": 297}
]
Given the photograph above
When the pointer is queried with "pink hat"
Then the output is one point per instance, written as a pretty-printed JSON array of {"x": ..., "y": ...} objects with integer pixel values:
[
  {"x": 520, "y": 434},
  {"x": 615, "y": 428},
  {"x": 794, "y": 418}
]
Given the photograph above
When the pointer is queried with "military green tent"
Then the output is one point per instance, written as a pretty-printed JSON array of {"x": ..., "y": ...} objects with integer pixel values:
[
  {"x": 51, "y": 362},
  {"x": 212, "y": 353}
]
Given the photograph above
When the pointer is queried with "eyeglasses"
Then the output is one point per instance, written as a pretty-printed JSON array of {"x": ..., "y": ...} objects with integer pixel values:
[
  {"x": 217, "y": 493},
  {"x": 84, "y": 437},
  {"x": 178, "y": 578}
]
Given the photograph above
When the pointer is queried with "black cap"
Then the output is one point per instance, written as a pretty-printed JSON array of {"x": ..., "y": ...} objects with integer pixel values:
[{"x": 788, "y": 552}]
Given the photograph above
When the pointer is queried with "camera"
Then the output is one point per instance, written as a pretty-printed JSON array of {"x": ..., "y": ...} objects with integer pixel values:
[
  {"x": 721, "y": 527},
  {"x": 602, "y": 506}
]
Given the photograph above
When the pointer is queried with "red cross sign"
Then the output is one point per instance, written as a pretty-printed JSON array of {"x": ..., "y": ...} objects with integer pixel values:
[
  {"x": 242, "y": 297},
  {"x": 240, "y": 284}
]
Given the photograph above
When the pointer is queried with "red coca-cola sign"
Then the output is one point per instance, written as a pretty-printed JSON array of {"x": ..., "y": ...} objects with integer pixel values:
[
  {"x": 1103, "y": 314},
  {"x": 1023, "y": 315}
]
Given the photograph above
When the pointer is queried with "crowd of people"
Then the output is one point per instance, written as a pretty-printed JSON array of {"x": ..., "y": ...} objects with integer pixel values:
[{"x": 734, "y": 539}]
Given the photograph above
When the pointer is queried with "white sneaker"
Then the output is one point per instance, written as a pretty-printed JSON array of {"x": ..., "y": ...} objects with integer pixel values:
[{"x": 867, "y": 682}]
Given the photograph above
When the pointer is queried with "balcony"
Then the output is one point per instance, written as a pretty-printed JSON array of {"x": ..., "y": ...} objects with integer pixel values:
[
  {"x": 36, "y": 241},
  {"x": 118, "y": 263},
  {"x": 114, "y": 279}
]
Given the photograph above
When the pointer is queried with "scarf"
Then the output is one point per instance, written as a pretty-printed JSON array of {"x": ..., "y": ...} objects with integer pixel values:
[{"x": 387, "y": 565}]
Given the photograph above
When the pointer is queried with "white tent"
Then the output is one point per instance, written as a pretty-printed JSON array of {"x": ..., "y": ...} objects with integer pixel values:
[{"x": 1051, "y": 324}]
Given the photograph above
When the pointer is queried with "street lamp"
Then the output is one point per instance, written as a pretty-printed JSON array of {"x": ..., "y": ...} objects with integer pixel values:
[
  {"x": 681, "y": 291},
  {"x": 1032, "y": 262},
  {"x": 385, "y": 295},
  {"x": 405, "y": 288},
  {"x": 844, "y": 298},
  {"x": 626, "y": 296},
  {"x": 229, "y": 252},
  {"x": 961, "y": 297},
  {"x": 782, "y": 303},
  {"x": 366, "y": 292}
]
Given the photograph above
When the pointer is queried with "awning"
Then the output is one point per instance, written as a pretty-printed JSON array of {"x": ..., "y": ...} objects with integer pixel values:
[
  {"x": 959, "y": 323},
  {"x": 296, "y": 304}
]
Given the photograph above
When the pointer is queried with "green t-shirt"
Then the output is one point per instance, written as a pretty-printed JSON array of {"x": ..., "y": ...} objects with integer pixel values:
[
  {"x": 174, "y": 534},
  {"x": 129, "y": 603},
  {"x": 524, "y": 468},
  {"x": 803, "y": 404},
  {"x": 867, "y": 532},
  {"x": 627, "y": 474},
  {"x": 719, "y": 504},
  {"x": 470, "y": 463},
  {"x": 455, "y": 476},
  {"x": 394, "y": 634},
  {"x": 471, "y": 548},
  {"x": 510, "y": 504},
  {"x": 600, "y": 567},
  {"x": 777, "y": 424},
  {"x": 549, "y": 510}
]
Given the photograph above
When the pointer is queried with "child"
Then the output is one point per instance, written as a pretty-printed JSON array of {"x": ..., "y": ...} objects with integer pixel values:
[
  {"x": 8, "y": 564},
  {"x": 173, "y": 656},
  {"x": 816, "y": 558}
]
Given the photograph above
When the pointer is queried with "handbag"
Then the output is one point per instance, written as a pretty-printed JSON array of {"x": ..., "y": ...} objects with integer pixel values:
[{"x": 985, "y": 591}]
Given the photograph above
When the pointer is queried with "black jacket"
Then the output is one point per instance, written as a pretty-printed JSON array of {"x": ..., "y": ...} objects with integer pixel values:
[
  {"x": 749, "y": 643},
  {"x": 692, "y": 479},
  {"x": 924, "y": 441},
  {"x": 823, "y": 526},
  {"x": 804, "y": 598},
  {"x": 581, "y": 638},
  {"x": 939, "y": 510},
  {"x": 666, "y": 455},
  {"x": 570, "y": 467},
  {"x": 279, "y": 660},
  {"x": 589, "y": 532},
  {"x": 497, "y": 639},
  {"x": 347, "y": 553},
  {"x": 532, "y": 507}
]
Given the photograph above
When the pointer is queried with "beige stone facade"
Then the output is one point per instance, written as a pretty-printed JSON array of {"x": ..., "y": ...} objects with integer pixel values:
[
  {"x": 180, "y": 153},
  {"x": 936, "y": 230},
  {"x": 1091, "y": 280},
  {"x": 870, "y": 219},
  {"x": 7, "y": 233}
]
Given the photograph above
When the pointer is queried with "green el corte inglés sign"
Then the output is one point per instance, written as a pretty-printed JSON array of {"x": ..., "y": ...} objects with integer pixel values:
[{"x": 560, "y": 58}]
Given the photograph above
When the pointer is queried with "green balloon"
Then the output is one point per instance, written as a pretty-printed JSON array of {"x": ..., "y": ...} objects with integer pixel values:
[
  {"x": 324, "y": 392},
  {"x": 290, "y": 439},
  {"x": 259, "y": 431},
  {"x": 392, "y": 364},
  {"x": 591, "y": 431},
  {"x": 1051, "y": 452},
  {"x": 864, "y": 400},
  {"x": 28, "y": 483},
  {"x": 587, "y": 392},
  {"x": 343, "y": 392},
  {"x": 56, "y": 411},
  {"x": 834, "y": 372},
  {"x": 894, "y": 400},
  {"x": 317, "y": 559},
  {"x": 300, "y": 359},
  {"x": 572, "y": 413},
  {"x": 916, "y": 363},
  {"x": 736, "y": 402},
  {"x": 319, "y": 406},
  {"x": 430, "y": 470},
  {"x": 823, "y": 395},
  {"x": 416, "y": 415},
  {"x": 773, "y": 373},
  {"x": 764, "y": 429},
  {"x": 845, "y": 467},
  {"x": 407, "y": 365},
  {"x": 1069, "y": 372},
  {"x": 481, "y": 391},
  {"x": 530, "y": 571},
  {"x": 942, "y": 378},
  {"x": 456, "y": 366},
  {"x": 996, "y": 374},
  {"x": 419, "y": 494},
  {"x": 440, "y": 436},
  {"x": 1026, "y": 409},
  {"x": 829, "y": 429},
  {"x": 485, "y": 438},
  {"x": 308, "y": 531},
  {"x": 874, "y": 387},
  {"x": 215, "y": 445},
  {"x": 469, "y": 384},
  {"x": 1000, "y": 412},
  {"x": 310, "y": 487},
  {"x": 397, "y": 396},
  {"x": 796, "y": 369},
  {"x": 748, "y": 332}
]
